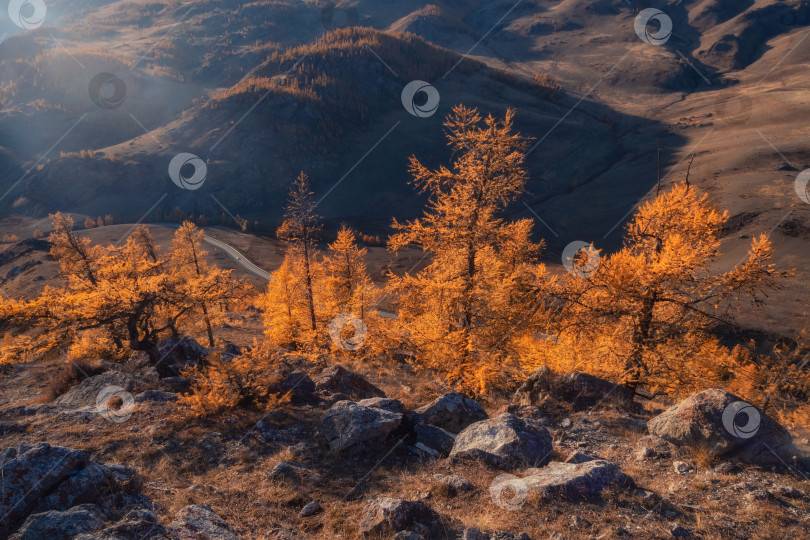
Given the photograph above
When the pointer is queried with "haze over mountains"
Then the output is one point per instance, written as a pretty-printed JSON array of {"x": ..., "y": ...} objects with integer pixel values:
[{"x": 264, "y": 89}]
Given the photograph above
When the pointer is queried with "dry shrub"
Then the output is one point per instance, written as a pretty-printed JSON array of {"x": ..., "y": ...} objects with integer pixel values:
[
  {"x": 227, "y": 383},
  {"x": 69, "y": 375}
]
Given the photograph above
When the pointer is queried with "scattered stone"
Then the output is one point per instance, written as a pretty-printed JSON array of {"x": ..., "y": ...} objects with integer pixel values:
[
  {"x": 759, "y": 495},
  {"x": 351, "y": 427},
  {"x": 289, "y": 470},
  {"x": 200, "y": 521},
  {"x": 452, "y": 412},
  {"x": 435, "y": 437},
  {"x": 789, "y": 492},
  {"x": 680, "y": 532},
  {"x": 310, "y": 509},
  {"x": 393, "y": 405},
  {"x": 383, "y": 515},
  {"x": 723, "y": 468},
  {"x": 337, "y": 379},
  {"x": 473, "y": 534},
  {"x": 453, "y": 483},
  {"x": 645, "y": 452},
  {"x": 576, "y": 481},
  {"x": 55, "y": 525},
  {"x": 566, "y": 423},
  {"x": 516, "y": 441},
  {"x": 698, "y": 422},
  {"x": 682, "y": 467}
]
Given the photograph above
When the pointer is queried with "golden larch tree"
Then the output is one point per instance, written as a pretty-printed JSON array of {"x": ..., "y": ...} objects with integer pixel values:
[
  {"x": 646, "y": 313},
  {"x": 481, "y": 287}
]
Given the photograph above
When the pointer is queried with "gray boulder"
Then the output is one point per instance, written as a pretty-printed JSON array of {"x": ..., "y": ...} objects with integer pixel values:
[
  {"x": 201, "y": 522},
  {"x": 516, "y": 441},
  {"x": 575, "y": 480},
  {"x": 386, "y": 516},
  {"x": 55, "y": 525},
  {"x": 339, "y": 380},
  {"x": 452, "y": 412},
  {"x": 351, "y": 427},
  {"x": 725, "y": 425}
]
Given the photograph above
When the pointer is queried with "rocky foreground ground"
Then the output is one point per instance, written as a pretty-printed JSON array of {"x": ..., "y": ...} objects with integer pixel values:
[{"x": 353, "y": 456}]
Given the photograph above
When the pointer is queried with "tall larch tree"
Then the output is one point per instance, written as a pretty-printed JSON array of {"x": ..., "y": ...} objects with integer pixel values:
[
  {"x": 482, "y": 284},
  {"x": 348, "y": 287},
  {"x": 299, "y": 229}
]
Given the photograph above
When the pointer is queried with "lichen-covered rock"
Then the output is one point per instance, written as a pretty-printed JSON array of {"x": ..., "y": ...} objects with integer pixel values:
[
  {"x": 199, "y": 522},
  {"x": 452, "y": 412},
  {"x": 339, "y": 380},
  {"x": 351, "y": 427},
  {"x": 517, "y": 441},
  {"x": 575, "y": 480},
  {"x": 29, "y": 474},
  {"x": 55, "y": 525},
  {"x": 723, "y": 424},
  {"x": 383, "y": 515}
]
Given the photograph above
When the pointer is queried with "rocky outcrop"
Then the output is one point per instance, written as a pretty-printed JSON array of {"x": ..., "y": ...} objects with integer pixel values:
[
  {"x": 518, "y": 442},
  {"x": 43, "y": 483},
  {"x": 87, "y": 392},
  {"x": 452, "y": 412},
  {"x": 351, "y": 427},
  {"x": 723, "y": 424},
  {"x": 339, "y": 380}
]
